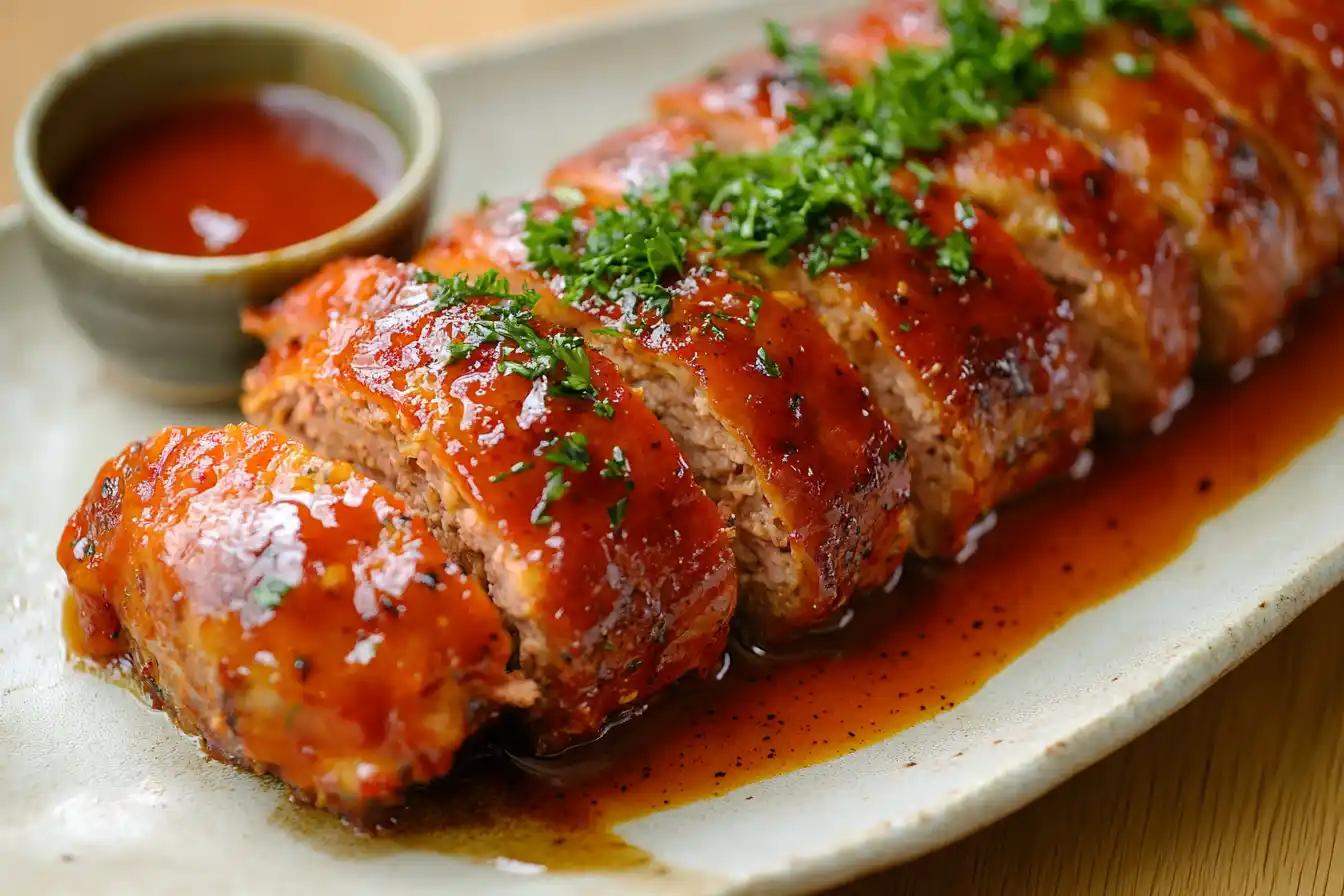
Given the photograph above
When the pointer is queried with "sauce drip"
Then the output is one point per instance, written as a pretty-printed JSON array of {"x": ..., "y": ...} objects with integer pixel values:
[
  {"x": 903, "y": 657},
  {"x": 236, "y": 173}
]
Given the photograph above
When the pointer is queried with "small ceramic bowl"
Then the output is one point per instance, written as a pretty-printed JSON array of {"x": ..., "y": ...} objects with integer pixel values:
[{"x": 170, "y": 322}]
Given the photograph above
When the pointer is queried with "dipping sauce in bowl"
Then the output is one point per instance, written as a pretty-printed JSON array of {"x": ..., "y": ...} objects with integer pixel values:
[{"x": 236, "y": 172}]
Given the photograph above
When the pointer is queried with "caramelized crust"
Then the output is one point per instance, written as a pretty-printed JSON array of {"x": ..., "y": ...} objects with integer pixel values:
[
  {"x": 1245, "y": 226},
  {"x": 606, "y": 613},
  {"x": 630, "y": 160},
  {"x": 778, "y": 427},
  {"x": 1279, "y": 100},
  {"x": 1094, "y": 233},
  {"x": 289, "y": 611}
]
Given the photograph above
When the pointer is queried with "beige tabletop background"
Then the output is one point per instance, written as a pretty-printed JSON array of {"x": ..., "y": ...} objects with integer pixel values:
[{"x": 1241, "y": 793}]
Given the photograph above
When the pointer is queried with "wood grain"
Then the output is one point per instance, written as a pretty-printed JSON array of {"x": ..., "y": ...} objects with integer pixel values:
[{"x": 1241, "y": 793}]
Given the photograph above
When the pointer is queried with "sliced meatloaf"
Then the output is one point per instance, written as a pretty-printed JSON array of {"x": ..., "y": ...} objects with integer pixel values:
[
  {"x": 1244, "y": 223},
  {"x": 987, "y": 378},
  {"x": 777, "y": 425},
  {"x": 1293, "y": 113},
  {"x": 549, "y": 479},
  {"x": 1091, "y": 230}
]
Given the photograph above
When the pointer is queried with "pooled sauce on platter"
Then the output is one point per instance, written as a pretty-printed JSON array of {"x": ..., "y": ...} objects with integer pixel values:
[
  {"x": 235, "y": 173},
  {"x": 903, "y": 657}
]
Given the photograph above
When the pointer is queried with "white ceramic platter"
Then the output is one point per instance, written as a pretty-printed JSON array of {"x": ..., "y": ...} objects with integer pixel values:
[{"x": 98, "y": 795}]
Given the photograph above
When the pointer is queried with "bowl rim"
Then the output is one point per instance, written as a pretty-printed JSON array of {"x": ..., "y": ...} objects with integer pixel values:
[{"x": 411, "y": 189}]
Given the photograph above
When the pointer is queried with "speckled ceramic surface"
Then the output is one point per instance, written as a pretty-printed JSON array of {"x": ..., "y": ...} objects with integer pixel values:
[{"x": 98, "y": 795}]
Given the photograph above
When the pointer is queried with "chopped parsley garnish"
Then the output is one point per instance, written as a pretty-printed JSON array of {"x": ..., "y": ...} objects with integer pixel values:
[
  {"x": 268, "y": 593},
  {"x": 616, "y": 467},
  {"x": 570, "y": 450},
  {"x": 567, "y": 452},
  {"x": 754, "y": 311},
  {"x": 955, "y": 255},
  {"x": 765, "y": 365},
  {"x": 616, "y": 512},
  {"x": 1131, "y": 66},
  {"x": 508, "y": 319},
  {"x": 453, "y": 291},
  {"x": 835, "y": 166},
  {"x": 556, "y": 487},
  {"x": 1237, "y": 18},
  {"x": 514, "y": 470}
]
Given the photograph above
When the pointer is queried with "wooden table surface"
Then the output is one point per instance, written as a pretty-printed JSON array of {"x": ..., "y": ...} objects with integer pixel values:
[{"x": 1241, "y": 793}]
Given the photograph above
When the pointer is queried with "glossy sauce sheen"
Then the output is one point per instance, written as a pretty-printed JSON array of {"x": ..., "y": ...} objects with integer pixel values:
[
  {"x": 1276, "y": 96},
  {"x": 827, "y": 459},
  {"x": 1144, "y": 286},
  {"x": 236, "y": 173},
  {"x": 624, "y": 611},
  {"x": 1247, "y": 227}
]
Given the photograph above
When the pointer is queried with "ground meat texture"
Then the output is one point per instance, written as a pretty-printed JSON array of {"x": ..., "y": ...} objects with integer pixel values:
[
  {"x": 617, "y": 587},
  {"x": 290, "y": 612},
  {"x": 777, "y": 425}
]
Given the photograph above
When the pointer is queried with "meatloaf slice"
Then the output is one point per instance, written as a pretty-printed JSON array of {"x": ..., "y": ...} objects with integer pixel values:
[
  {"x": 289, "y": 611},
  {"x": 1244, "y": 224},
  {"x": 549, "y": 478},
  {"x": 986, "y": 374},
  {"x": 778, "y": 427},
  {"x": 1102, "y": 241}
]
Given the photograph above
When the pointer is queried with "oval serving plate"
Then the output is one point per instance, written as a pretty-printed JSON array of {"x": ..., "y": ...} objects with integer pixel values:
[{"x": 97, "y": 793}]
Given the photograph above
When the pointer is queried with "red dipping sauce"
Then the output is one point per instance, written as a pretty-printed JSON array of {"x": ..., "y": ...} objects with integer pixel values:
[{"x": 236, "y": 173}]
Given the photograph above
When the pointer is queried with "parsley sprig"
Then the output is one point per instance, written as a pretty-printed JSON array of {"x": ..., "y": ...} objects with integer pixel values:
[{"x": 508, "y": 319}]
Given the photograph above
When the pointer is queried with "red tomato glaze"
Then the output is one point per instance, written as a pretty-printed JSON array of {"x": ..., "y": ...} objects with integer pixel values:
[{"x": 237, "y": 172}]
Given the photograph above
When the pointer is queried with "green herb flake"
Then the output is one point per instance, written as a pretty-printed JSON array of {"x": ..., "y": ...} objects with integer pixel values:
[
  {"x": 1237, "y": 18},
  {"x": 268, "y": 593},
  {"x": 1131, "y": 66},
  {"x": 765, "y": 365},
  {"x": 514, "y": 470},
  {"x": 556, "y": 487},
  {"x": 616, "y": 467},
  {"x": 954, "y": 255},
  {"x": 616, "y": 512}
]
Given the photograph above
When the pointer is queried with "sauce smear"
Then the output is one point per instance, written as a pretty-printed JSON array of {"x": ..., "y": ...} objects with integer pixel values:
[{"x": 236, "y": 173}]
